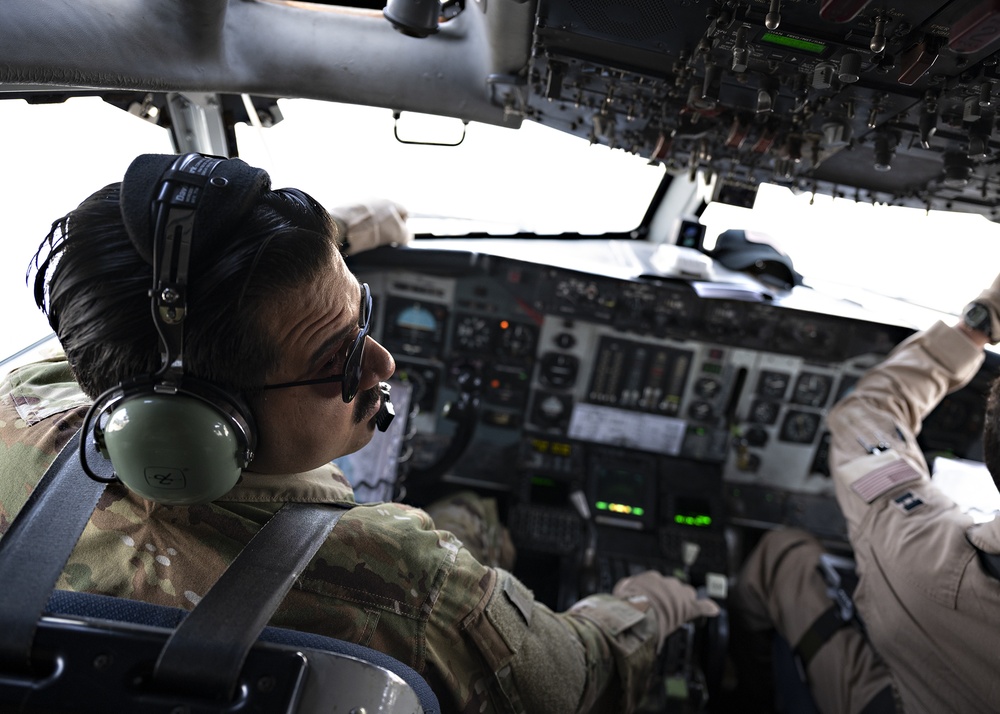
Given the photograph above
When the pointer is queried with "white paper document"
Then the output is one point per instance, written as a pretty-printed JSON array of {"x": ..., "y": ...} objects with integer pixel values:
[{"x": 608, "y": 425}]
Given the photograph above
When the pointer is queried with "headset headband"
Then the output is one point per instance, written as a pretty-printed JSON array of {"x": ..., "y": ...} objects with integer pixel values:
[
  {"x": 173, "y": 213},
  {"x": 177, "y": 208}
]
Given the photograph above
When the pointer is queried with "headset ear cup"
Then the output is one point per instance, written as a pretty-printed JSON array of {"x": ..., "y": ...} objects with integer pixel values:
[
  {"x": 177, "y": 446},
  {"x": 173, "y": 449},
  {"x": 233, "y": 409}
]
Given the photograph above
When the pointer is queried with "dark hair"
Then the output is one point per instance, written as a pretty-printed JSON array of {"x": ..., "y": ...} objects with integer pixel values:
[
  {"x": 93, "y": 286},
  {"x": 991, "y": 431}
]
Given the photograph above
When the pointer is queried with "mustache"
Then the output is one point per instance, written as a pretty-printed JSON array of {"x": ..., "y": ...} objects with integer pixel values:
[{"x": 365, "y": 402}]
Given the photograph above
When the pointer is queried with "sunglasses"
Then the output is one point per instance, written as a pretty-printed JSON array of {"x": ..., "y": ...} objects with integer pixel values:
[{"x": 351, "y": 378}]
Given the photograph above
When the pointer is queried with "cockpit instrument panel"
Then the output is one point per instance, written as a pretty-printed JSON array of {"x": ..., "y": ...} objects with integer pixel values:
[{"x": 670, "y": 414}]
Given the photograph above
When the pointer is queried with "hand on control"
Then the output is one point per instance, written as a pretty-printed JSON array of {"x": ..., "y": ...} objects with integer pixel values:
[
  {"x": 373, "y": 223},
  {"x": 673, "y": 602}
]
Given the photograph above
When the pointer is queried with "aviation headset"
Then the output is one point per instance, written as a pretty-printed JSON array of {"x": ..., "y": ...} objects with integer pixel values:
[{"x": 173, "y": 438}]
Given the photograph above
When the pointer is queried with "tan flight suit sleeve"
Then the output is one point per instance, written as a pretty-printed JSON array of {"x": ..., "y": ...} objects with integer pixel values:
[{"x": 887, "y": 407}]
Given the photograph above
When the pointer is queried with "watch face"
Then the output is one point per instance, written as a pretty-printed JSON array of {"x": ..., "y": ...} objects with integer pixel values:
[{"x": 978, "y": 318}]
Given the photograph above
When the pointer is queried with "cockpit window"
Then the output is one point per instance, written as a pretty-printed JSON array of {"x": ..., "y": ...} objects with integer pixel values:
[
  {"x": 55, "y": 155},
  {"x": 865, "y": 252},
  {"x": 497, "y": 180}
]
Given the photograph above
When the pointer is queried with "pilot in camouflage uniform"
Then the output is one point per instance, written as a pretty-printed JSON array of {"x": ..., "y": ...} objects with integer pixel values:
[
  {"x": 385, "y": 577},
  {"x": 926, "y": 596}
]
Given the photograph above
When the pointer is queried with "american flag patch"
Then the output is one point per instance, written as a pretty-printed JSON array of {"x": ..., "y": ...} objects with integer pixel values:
[{"x": 881, "y": 480}]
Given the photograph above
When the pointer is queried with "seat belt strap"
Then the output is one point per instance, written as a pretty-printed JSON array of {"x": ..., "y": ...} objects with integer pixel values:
[
  {"x": 817, "y": 635},
  {"x": 205, "y": 654},
  {"x": 35, "y": 549},
  {"x": 211, "y": 644}
]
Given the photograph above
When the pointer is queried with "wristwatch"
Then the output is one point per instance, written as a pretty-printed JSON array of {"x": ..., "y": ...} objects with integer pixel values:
[{"x": 978, "y": 317}]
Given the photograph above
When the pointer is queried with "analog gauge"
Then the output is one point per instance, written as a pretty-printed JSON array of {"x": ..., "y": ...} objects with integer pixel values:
[
  {"x": 701, "y": 411},
  {"x": 812, "y": 389},
  {"x": 472, "y": 333},
  {"x": 416, "y": 317},
  {"x": 799, "y": 427},
  {"x": 516, "y": 340},
  {"x": 764, "y": 412},
  {"x": 559, "y": 370},
  {"x": 551, "y": 410},
  {"x": 772, "y": 384},
  {"x": 414, "y": 328},
  {"x": 707, "y": 387}
]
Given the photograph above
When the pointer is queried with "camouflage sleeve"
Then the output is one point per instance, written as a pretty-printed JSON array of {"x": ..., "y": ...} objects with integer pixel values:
[
  {"x": 40, "y": 409},
  {"x": 475, "y": 521},
  {"x": 596, "y": 657}
]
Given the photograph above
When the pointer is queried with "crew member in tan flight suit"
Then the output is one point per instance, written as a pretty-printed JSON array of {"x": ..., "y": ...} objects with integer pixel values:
[{"x": 928, "y": 593}]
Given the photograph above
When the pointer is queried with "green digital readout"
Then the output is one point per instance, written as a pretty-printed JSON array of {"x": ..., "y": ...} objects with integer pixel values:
[
  {"x": 620, "y": 508},
  {"x": 794, "y": 43},
  {"x": 693, "y": 511}
]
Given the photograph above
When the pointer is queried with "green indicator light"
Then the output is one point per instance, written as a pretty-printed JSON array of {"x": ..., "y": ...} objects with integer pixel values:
[
  {"x": 699, "y": 521},
  {"x": 795, "y": 43},
  {"x": 601, "y": 505},
  {"x": 638, "y": 511}
]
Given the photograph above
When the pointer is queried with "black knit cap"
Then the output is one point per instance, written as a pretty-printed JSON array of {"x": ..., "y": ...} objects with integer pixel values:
[{"x": 222, "y": 205}]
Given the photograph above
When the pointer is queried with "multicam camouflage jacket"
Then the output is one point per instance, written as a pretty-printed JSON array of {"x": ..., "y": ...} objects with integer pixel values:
[{"x": 385, "y": 578}]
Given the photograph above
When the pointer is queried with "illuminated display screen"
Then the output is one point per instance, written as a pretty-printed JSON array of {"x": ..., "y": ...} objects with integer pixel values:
[
  {"x": 794, "y": 43},
  {"x": 621, "y": 508},
  {"x": 412, "y": 327},
  {"x": 694, "y": 512},
  {"x": 548, "y": 491},
  {"x": 623, "y": 491}
]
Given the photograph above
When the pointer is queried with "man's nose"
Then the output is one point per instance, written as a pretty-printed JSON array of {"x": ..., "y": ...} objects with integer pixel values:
[{"x": 379, "y": 364}]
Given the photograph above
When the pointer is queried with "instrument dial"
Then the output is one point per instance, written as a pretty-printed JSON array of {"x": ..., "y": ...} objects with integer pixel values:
[
  {"x": 812, "y": 389},
  {"x": 763, "y": 412},
  {"x": 473, "y": 333},
  {"x": 772, "y": 384},
  {"x": 799, "y": 427},
  {"x": 707, "y": 387},
  {"x": 516, "y": 340}
]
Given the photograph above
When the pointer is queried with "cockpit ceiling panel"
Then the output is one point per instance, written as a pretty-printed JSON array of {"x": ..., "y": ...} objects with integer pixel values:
[{"x": 889, "y": 101}]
